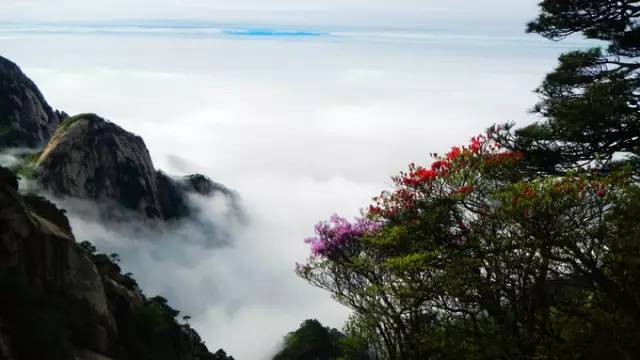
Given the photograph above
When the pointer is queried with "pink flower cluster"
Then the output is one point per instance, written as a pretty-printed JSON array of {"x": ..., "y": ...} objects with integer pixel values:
[{"x": 337, "y": 233}]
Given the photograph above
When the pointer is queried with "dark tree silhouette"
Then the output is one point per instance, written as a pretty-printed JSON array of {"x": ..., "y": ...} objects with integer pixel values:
[{"x": 591, "y": 101}]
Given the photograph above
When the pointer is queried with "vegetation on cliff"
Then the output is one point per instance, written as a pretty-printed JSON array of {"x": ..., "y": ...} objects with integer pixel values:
[
  {"x": 60, "y": 299},
  {"x": 313, "y": 341}
]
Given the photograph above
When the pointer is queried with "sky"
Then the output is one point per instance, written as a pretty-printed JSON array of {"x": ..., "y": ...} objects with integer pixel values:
[
  {"x": 398, "y": 13},
  {"x": 300, "y": 126}
]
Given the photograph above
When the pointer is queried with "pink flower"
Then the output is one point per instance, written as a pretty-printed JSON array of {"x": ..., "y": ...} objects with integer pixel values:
[{"x": 338, "y": 233}]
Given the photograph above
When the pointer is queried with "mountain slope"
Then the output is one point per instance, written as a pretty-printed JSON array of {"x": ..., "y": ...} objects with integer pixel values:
[
  {"x": 62, "y": 300},
  {"x": 26, "y": 119}
]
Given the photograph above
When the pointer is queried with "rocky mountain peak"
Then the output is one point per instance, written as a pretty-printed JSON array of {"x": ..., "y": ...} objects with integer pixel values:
[
  {"x": 89, "y": 157},
  {"x": 26, "y": 120}
]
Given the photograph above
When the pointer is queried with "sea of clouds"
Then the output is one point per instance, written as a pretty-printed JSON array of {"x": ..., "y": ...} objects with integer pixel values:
[{"x": 300, "y": 127}]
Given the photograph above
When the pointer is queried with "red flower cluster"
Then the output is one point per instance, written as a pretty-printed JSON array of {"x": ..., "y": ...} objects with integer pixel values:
[
  {"x": 440, "y": 164},
  {"x": 454, "y": 153},
  {"x": 420, "y": 182},
  {"x": 476, "y": 143},
  {"x": 389, "y": 204},
  {"x": 419, "y": 176}
]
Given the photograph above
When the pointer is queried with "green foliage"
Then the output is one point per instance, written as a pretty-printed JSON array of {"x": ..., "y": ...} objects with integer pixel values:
[
  {"x": 312, "y": 341},
  {"x": 88, "y": 247},
  {"x": 522, "y": 267},
  {"x": 32, "y": 158},
  {"x": 26, "y": 171},
  {"x": 27, "y": 168},
  {"x": 68, "y": 122},
  {"x": 221, "y": 355},
  {"x": 590, "y": 101},
  {"x": 155, "y": 317}
]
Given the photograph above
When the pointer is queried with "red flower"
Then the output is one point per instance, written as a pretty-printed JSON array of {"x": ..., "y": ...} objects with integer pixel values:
[
  {"x": 475, "y": 144},
  {"x": 437, "y": 165},
  {"x": 410, "y": 181},
  {"x": 425, "y": 174},
  {"x": 465, "y": 189},
  {"x": 454, "y": 153},
  {"x": 601, "y": 192}
]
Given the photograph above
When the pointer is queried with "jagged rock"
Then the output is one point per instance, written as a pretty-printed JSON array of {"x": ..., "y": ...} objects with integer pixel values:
[
  {"x": 172, "y": 199},
  {"x": 85, "y": 282},
  {"x": 25, "y": 117},
  {"x": 48, "y": 210},
  {"x": 30, "y": 243},
  {"x": 121, "y": 296},
  {"x": 201, "y": 184},
  {"x": 89, "y": 157}
]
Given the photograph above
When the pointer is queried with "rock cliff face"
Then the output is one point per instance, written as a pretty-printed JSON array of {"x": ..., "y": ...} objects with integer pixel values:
[
  {"x": 62, "y": 300},
  {"x": 91, "y": 158},
  {"x": 25, "y": 117}
]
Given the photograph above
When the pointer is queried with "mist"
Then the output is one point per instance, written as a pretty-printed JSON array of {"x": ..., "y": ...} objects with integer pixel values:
[{"x": 299, "y": 127}]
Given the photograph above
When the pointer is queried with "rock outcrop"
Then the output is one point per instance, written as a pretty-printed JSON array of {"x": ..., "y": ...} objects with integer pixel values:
[
  {"x": 26, "y": 120},
  {"x": 39, "y": 260},
  {"x": 89, "y": 157},
  {"x": 62, "y": 300}
]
